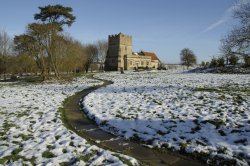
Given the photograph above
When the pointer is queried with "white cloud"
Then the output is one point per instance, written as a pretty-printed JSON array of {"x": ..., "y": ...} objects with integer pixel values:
[
  {"x": 216, "y": 24},
  {"x": 226, "y": 16}
]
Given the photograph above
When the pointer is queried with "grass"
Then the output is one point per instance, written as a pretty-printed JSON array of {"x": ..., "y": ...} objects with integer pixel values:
[
  {"x": 88, "y": 156},
  {"x": 31, "y": 80},
  {"x": 65, "y": 164},
  {"x": 21, "y": 114},
  {"x": 157, "y": 102},
  {"x": 57, "y": 137},
  {"x": 238, "y": 99},
  {"x": 16, "y": 142},
  {"x": 222, "y": 150},
  {"x": 5, "y": 159},
  {"x": 195, "y": 129},
  {"x": 50, "y": 147},
  {"x": 222, "y": 133},
  {"x": 64, "y": 150},
  {"x": 183, "y": 146},
  {"x": 2, "y": 134},
  {"x": 216, "y": 122},
  {"x": 104, "y": 123},
  {"x": 25, "y": 137},
  {"x": 15, "y": 157},
  {"x": 124, "y": 160},
  {"x": 16, "y": 151},
  {"x": 206, "y": 90},
  {"x": 3, "y": 113},
  {"x": 237, "y": 130},
  {"x": 3, "y": 138},
  {"x": 4, "y": 145},
  {"x": 161, "y": 132},
  {"x": 120, "y": 116},
  {"x": 135, "y": 137},
  {"x": 71, "y": 144},
  {"x": 7, "y": 126},
  {"x": 200, "y": 143},
  {"x": 48, "y": 154},
  {"x": 241, "y": 141},
  {"x": 230, "y": 88}
]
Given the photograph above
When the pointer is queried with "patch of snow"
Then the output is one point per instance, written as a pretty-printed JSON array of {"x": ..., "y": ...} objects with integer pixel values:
[
  {"x": 31, "y": 128},
  {"x": 204, "y": 113}
]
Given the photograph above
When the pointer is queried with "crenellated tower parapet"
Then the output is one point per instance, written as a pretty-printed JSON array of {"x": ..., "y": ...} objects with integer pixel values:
[
  {"x": 119, "y": 47},
  {"x": 120, "y": 39}
]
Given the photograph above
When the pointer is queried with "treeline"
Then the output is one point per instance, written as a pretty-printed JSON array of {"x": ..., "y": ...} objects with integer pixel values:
[
  {"x": 222, "y": 61},
  {"x": 45, "y": 49}
]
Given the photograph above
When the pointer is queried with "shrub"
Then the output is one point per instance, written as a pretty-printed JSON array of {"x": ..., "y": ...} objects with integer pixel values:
[
  {"x": 233, "y": 59},
  {"x": 207, "y": 64},
  {"x": 247, "y": 61},
  {"x": 213, "y": 62},
  {"x": 221, "y": 61},
  {"x": 203, "y": 64}
]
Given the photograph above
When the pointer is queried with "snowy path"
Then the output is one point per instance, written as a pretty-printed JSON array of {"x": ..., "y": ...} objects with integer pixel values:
[
  {"x": 208, "y": 114},
  {"x": 31, "y": 131}
]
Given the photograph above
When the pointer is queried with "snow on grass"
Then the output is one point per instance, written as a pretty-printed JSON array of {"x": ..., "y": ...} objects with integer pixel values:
[
  {"x": 31, "y": 131},
  {"x": 207, "y": 114}
]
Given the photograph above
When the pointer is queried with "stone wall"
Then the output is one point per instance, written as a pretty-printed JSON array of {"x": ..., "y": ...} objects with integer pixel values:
[{"x": 136, "y": 61}]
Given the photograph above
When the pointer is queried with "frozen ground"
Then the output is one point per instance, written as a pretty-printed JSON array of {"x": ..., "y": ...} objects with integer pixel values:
[
  {"x": 31, "y": 131},
  {"x": 207, "y": 114}
]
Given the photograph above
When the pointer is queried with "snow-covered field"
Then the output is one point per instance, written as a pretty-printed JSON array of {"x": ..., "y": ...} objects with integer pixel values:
[
  {"x": 31, "y": 131},
  {"x": 207, "y": 114}
]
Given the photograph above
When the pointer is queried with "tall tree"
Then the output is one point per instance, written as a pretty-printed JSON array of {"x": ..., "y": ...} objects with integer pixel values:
[
  {"x": 30, "y": 45},
  {"x": 5, "y": 50},
  {"x": 238, "y": 40},
  {"x": 188, "y": 57},
  {"x": 42, "y": 40},
  {"x": 56, "y": 14},
  {"x": 54, "y": 17},
  {"x": 102, "y": 47},
  {"x": 91, "y": 54}
]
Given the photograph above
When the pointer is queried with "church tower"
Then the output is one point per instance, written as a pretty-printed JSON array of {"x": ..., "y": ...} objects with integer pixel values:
[{"x": 119, "y": 48}]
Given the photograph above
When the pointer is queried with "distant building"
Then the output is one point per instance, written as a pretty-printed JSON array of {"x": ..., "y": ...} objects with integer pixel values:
[
  {"x": 121, "y": 57},
  {"x": 174, "y": 66}
]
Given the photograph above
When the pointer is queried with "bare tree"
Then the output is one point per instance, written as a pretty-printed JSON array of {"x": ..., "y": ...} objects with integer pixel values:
[
  {"x": 102, "y": 47},
  {"x": 91, "y": 54},
  {"x": 5, "y": 50},
  {"x": 188, "y": 57},
  {"x": 238, "y": 40}
]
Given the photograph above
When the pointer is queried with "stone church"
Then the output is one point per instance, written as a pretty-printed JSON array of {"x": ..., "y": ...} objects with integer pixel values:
[{"x": 120, "y": 55}]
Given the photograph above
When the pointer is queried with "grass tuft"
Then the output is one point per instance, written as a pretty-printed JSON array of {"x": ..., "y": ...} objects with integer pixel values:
[{"x": 48, "y": 154}]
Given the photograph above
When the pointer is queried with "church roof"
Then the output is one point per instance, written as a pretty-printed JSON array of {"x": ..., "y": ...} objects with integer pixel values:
[{"x": 151, "y": 54}]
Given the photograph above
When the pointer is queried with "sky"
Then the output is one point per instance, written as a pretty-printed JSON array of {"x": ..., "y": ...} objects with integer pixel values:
[{"x": 161, "y": 26}]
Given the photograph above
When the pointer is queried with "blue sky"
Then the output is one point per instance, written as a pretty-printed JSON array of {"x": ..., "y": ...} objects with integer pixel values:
[{"x": 161, "y": 26}]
